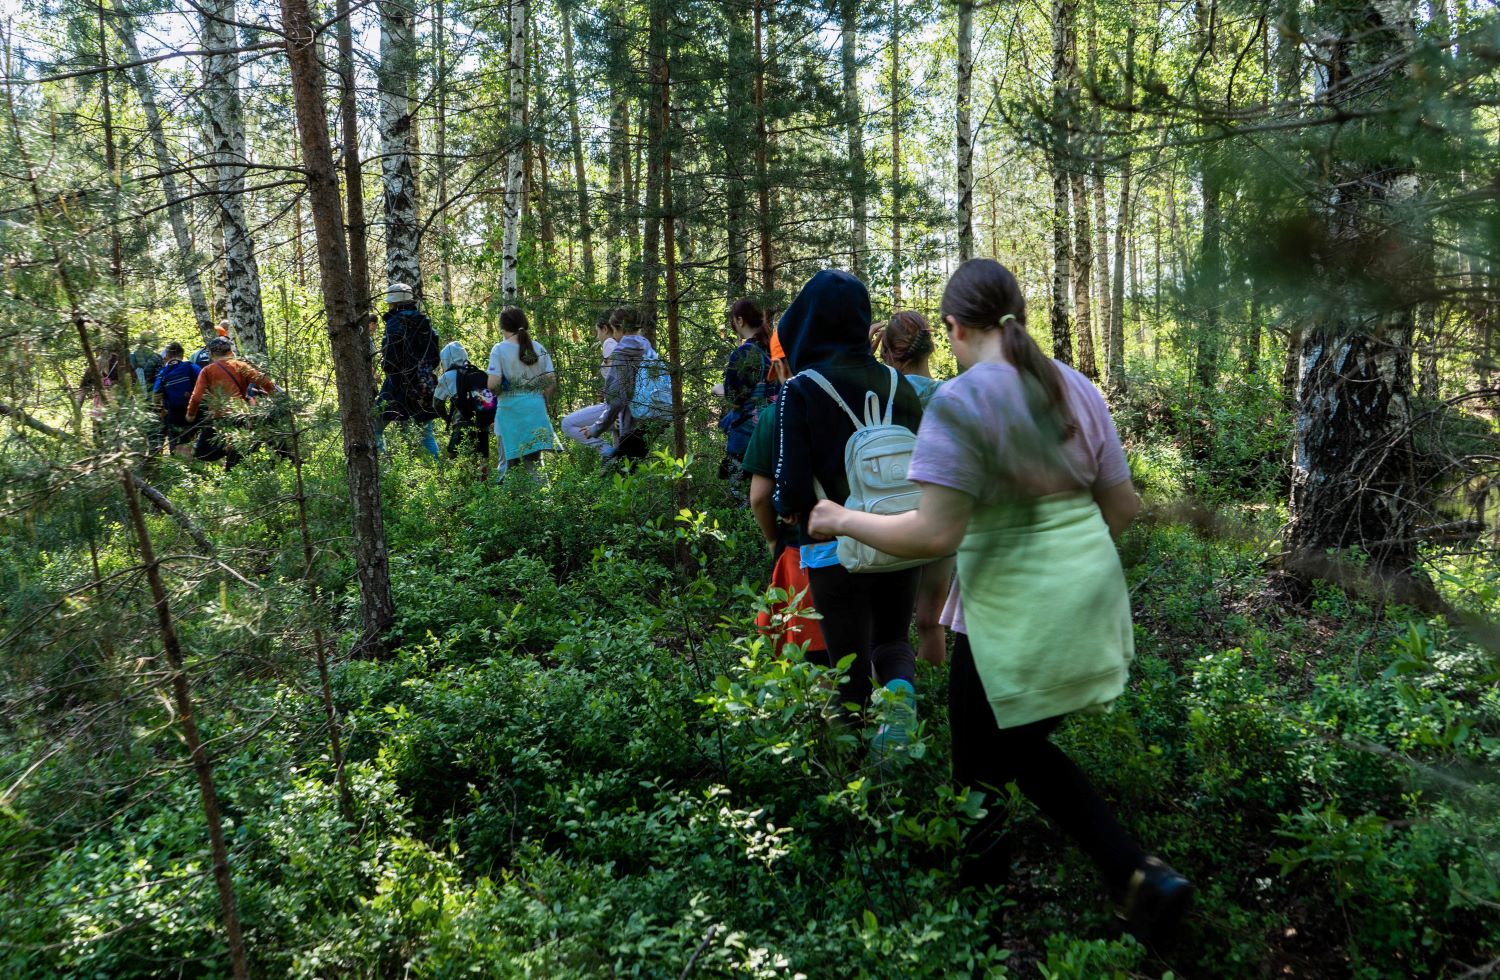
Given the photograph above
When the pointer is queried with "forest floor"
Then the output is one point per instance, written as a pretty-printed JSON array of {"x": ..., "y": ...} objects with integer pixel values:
[{"x": 581, "y": 761}]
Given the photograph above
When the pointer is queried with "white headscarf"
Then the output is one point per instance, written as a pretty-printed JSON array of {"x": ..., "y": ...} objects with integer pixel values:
[{"x": 449, "y": 358}]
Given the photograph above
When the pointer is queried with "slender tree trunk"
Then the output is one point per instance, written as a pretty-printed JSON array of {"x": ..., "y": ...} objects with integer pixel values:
[
  {"x": 1064, "y": 79},
  {"x": 515, "y": 168},
  {"x": 854, "y": 127},
  {"x": 575, "y": 131},
  {"x": 111, "y": 163},
  {"x": 615, "y": 206},
  {"x": 656, "y": 178},
  {"x": 762, "y": 177},
  {"x": 359, "y": 251},
  {"x": 226, "y": 128},
  {"x": 1123, "y": 218},
  {"x": 398, "y": 64},
  {"x": 542, "y": 185},
  {"x": 440, "y": 82},
  {"x": 346, "y": 333},
  {"x": 896, "y": 153},
  {"x": 187, "y": 258},
  {"x": 1083, "y": 263},
  {"x": 1101, "y": 208},
  {"x": 1352, "y": 476},
  {"x": 964, "y": 147},
  {"x": 739, "y": 146},
  {"x": 202, "y": 768},
  {"x": 661, "y": 56}
]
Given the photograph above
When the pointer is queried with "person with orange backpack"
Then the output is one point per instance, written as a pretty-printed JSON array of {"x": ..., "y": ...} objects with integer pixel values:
[{"x": 225, "y": 388}]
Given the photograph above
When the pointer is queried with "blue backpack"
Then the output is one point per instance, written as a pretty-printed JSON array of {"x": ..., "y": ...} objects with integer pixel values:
[
  {"x": 174, "y": 382},
  {"x": 652, "y": 399}
]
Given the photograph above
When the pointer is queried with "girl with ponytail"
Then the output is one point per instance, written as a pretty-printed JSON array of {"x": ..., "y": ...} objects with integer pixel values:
[
  {"x": 522, "y": 376},
  {"x": 905, "y": 343},
  {"x": 1023, "y": 474},
  {"x": 748, "y": 385}
]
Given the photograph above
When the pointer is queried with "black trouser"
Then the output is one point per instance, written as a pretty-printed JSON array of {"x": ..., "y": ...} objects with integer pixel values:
[
  {"x": 212, "y": 447},
  {"x": 986, "y": 757},
  {"x": 868, "y": 615},
  {"x": 472, "y": 433},
  {"x": 176, "y": 427}
]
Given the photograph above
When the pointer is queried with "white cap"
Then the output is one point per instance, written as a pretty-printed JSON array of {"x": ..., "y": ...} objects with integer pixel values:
[{"x": 398, "y": 292}]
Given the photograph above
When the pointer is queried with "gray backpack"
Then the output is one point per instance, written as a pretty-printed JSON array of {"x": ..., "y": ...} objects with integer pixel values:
[{"x": 876, "y": 459}]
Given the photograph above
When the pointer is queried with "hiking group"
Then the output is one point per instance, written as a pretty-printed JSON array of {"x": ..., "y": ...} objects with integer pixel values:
[
  {"x": 986, "y": 504},
  {"x": 874, "y": 484}
]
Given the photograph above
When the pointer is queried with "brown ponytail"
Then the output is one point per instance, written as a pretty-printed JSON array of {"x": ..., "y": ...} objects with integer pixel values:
[
  {"x": 984, "y": 295},
  {"x": 906, "y": 338},
  {"x": 513, "y": 321},
  {"x": 745, "y": 309}
]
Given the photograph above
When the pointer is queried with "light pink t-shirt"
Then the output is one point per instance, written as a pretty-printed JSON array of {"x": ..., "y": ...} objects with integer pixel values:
[{"x": 978, "y": 436}]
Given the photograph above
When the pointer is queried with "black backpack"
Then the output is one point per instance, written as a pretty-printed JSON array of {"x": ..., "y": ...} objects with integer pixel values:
[{"x": 472, "y": 397}]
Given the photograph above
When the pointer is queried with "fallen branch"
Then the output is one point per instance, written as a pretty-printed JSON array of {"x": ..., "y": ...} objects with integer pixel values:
[
  {"x": 31, "y": 421},
  {"x": 159, "y": 500}
]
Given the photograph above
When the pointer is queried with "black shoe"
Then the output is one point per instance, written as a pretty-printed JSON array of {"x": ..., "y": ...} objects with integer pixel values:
[{"x": 1155, "y": 901}]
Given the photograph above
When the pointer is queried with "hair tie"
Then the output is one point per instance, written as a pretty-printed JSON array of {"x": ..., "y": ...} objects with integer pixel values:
[{"x": 1008, "y": 316}]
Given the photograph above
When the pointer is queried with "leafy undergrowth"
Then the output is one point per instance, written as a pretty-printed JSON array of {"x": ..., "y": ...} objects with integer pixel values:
[{"x": 581, "y": 763}]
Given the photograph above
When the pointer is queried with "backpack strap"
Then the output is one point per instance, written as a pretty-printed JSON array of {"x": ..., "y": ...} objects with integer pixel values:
[
  {"x": 890, "y": 403},
  {"x": 234, "y": 379},
  {"x": 823, "y": 383}
]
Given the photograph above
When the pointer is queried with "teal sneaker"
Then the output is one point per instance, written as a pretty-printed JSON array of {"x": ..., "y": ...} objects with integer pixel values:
[{"x": 900, "y": 719}]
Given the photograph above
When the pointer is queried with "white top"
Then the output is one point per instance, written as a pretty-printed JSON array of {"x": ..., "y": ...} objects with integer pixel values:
[{"x": 505, "y": 360}]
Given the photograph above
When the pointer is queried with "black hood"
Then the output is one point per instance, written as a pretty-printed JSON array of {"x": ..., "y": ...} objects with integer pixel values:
[{"x": 828, "y": 321}]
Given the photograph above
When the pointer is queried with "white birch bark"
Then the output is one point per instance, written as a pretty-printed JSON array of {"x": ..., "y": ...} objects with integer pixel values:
[
  {"x": 403, "y": 241},
  {"x": 515, "y": 175},
  {"x": 965, "y": 141},
  {"x": 226, "y": 133},
  {"x": 187, "y": 257}
]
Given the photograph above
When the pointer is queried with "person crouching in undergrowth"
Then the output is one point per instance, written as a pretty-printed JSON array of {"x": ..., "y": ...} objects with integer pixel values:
[
  {"x": 1022, "y": 472},
  {"x": 624, "y": 369},
  {"x": 463, "y": 397}
]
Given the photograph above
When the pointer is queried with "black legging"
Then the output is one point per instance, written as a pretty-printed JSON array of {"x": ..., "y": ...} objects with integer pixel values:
[
  {"x": 986, "y": 757},
  {"x": 868, "y": 615}
]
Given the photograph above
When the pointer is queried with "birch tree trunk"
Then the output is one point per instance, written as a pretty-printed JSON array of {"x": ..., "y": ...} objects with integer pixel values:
[
  {"x": 1123, "y": 218},
  {"x": 575, "y": 131},
  {"x": 440, "y": 82},
  {"x": 896, "y": 153},
  {"x": 398, "y": 63},
  {"x": 346, "y": 334},
  {"x": 965, "y": 142},
  {"x": 1352, "y": 479},
  {"x": 188, "y": 260},
  {"x": 515, "y": 167},
  {"x": 1064, "y": 72},
  {"x": 854, "y": 127},
  {"x": 226, "y": 130}
]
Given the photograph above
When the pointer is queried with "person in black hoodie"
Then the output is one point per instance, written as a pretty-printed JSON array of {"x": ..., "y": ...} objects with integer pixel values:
[
  {"x": 409, "y": 355},
  {"x": 827, "y": 328}
]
